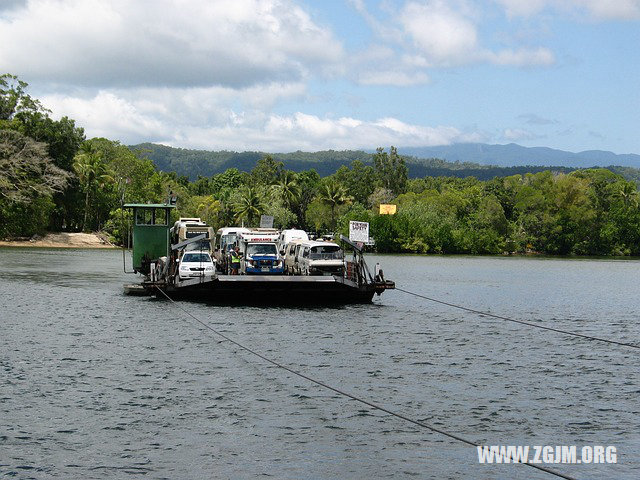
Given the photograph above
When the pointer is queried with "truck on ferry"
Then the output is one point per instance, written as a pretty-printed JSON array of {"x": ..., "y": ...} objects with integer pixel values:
[
  {"x": 186, "y": 228},
  {"x": 259, "y": 252}
]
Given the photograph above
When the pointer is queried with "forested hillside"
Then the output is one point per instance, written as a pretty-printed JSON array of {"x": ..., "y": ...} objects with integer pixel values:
[
  {"x": 53, "y": 178},
  {"x": 195, "y": 163}
]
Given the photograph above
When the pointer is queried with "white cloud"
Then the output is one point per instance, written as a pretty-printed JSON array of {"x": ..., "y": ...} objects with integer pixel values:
[
  {"x": 108, "y": 115},
  {"x": 207, "y": 120},
  {"x": 382, "y": 65},
  {"x": 612, "y": 10},
  {"x": 596, "y": 9},
  {"x": 445, "y": 34},
  {"x": 131, "y": 114},
  {"x": 164, "y": 42},
  {"x": 418, "y": 37}
]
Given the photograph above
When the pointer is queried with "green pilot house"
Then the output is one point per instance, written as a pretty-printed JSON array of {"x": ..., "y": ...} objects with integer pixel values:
[{"x": 150, "y": 233}]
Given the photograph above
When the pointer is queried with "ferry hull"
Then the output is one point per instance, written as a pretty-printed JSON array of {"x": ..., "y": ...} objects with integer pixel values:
[{"x": 272, "y": 289}]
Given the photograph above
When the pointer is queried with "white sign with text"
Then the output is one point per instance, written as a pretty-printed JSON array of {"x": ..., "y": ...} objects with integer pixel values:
[{"x": 359, "y": 231}]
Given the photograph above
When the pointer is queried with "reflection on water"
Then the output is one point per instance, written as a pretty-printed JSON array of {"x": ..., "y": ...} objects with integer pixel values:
[{"x": 98, "y": 385}]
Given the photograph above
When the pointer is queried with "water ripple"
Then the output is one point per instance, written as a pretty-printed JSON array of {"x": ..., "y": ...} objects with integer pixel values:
[{"x": 97, "y": 385}]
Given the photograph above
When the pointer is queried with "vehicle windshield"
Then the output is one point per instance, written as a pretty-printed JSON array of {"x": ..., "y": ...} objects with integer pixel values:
[
  {"x": 326, "y": 252},
  {"x": 228, "y": 239},
  {"x": 196, "y": 257},
  {"x": 261, "y": 249}
]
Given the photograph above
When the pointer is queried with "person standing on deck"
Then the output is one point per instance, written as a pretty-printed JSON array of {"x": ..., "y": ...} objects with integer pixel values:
[{"x": 235, "y": 260}]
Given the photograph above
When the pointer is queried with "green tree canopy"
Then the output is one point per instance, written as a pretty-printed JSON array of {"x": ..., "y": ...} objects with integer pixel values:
[
  {"x": 26, "y": 170},
  {"x": 249, "y": 205},
  {"x": 267, "y": 171},
  {"x": 391, "y": 170},
  {"x": 93, "y": 173}
]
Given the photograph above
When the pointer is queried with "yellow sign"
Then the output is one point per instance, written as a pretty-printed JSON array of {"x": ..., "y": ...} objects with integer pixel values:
[{"x": 387, "y": 209}]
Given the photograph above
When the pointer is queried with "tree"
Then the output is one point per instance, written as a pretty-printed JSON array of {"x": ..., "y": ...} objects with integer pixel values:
[
  {"x": 26, "y": 171},
  {"x": 391, "y": 170},
  {"x": 92, "y": 173},
  {"x": 317, "y": 216},
  {"x": 628, "y": 193},
  {"x": 248, "y": 205},
  {"x": 360, "y": 180},
  {"x": 333, "y": 195},
  {"x": 207, "y": 208},
  {"x": 287, "y": 188},
  {"x": 275, "y": 206},
  {"x": 132, "y": 173},
  {"x": 378, "y": 196},
  {"x": 28, "y": 179},
  {"x": 231, "y": 178},
  {"x": 20, "y": 112},
  {"x": 14, "y": 101},
  {"x": 267, "y": 171},
  {"x": 309, "y": 183}
]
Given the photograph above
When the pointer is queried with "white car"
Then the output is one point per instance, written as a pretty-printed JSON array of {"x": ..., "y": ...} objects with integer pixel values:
[{"x": 195, "y": 264}]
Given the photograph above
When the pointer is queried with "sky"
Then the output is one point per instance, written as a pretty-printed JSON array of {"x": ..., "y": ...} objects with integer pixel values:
[{"x": 287, "y": 75}]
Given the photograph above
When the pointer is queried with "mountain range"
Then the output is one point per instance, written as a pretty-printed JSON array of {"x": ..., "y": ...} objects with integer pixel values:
[{"x": 513, "y": 155}]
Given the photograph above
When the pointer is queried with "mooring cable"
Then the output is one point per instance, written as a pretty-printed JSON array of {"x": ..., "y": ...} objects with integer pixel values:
[
  {"x": 522, "y": 322},
  {"x": 349, "y": 395}
]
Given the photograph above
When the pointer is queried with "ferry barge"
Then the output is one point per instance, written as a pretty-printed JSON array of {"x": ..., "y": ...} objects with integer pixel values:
[{"x": 157, "y": 260}]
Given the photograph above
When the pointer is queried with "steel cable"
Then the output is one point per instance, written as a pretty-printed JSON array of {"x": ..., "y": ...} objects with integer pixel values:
[
  {"x": 349, "y": 395},
  {"x": 522, "y": 322}
]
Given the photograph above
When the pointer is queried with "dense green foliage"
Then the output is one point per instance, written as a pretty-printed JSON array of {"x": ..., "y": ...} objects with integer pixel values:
[
  {"x": 53, "y": 178},
  {"x": 587, "y": 212}
]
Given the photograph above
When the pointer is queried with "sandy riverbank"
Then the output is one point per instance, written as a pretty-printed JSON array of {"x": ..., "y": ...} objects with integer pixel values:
[{"x": 62, "y": 240}]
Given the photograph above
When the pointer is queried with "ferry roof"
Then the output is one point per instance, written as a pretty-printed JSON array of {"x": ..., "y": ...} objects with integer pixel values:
[{"x": 148, "y": 205}]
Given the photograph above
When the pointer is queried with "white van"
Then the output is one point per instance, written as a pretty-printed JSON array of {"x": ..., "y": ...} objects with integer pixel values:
[
  {"x": 290, "y": 258},
  {"x": 286, "y": 236},
  {"x": 320, "y": 258}
]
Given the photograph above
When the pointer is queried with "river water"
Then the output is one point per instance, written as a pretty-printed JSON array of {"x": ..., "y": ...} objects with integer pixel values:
[{"x": 94, "y": 384}]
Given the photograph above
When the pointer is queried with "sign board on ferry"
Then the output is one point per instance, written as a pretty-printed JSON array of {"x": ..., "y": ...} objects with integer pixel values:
[
  {"x": 266, "y": 221},
  {"x": 359, "y": 231}
]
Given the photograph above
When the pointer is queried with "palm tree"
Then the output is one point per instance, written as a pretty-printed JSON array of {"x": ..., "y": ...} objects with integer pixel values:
[
  {"x": 334, "y": 195},
  {"x": 288, "y": 189},
  {"x": 629, "y": 194},
  {"x": 92, "y": 173},
  {"x": 249, "y": 205}
]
